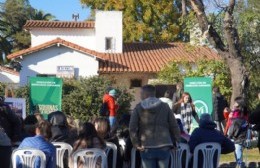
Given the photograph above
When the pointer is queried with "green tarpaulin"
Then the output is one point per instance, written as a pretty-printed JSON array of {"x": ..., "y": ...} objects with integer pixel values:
[{"x": 45, "y": 94}]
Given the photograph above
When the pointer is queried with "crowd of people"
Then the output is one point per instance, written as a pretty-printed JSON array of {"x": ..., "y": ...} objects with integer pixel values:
[{"x": 155, "y": 127}]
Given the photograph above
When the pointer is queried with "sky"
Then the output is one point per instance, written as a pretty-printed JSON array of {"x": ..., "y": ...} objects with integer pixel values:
[{"x": 62, "y": 9}]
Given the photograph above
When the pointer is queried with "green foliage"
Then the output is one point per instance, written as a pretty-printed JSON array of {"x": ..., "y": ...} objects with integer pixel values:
[
  {"x": 176, "y": 72},
  {"x": 2, "y": 89},
  {"x": 82, "y": 98},
  {"x": 13, "y": 16},
  {"x": 23, "y": 92},
  {"x": 145, "y": 20},
  {"x": 248, "y": 24}
]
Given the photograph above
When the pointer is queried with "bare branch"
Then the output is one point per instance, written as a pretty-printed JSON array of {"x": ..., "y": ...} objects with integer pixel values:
[
  {"x": 184, "y": 7},
  {"x": 207, "y": 30}
]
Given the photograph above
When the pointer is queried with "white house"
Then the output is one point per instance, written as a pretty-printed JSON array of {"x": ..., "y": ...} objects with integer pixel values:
[
  {"x": 8, "y": 76},
  {"x": 96, "y": 48}
]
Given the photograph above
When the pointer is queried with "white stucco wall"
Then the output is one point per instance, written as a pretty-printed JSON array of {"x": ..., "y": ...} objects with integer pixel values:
[
  {"x": 47, "y": 60},
  {"x": 6, "y": 77},
  {"x": 109, "y": 24},
  {"x": 83, "y": 37}
]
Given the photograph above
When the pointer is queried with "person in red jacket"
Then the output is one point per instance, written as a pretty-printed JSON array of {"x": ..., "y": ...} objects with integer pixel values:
[{"x": 109, "y": 99}]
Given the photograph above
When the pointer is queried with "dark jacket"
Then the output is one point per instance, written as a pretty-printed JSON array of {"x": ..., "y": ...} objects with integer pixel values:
[
  {"x": 59, "y": 128},
  {"x": 177, "y": 96},
  {"x": 153, "y": 125},
  {"x": 254, "y": 118},
  {"x": 219, "y": 104},
  {"x": 238, "y": 130},
  {"x": 207, "y": 133},
  {"x": 10, "y": 122}
]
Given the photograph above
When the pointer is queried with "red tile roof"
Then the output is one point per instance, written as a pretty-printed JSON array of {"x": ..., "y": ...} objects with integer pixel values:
[
  {"x": 147, "y": 57},
  {"x": 57, "y": 41},
  {"x": 136, "y": 57},
  {"x": 59, "y": 24},
  {"x": 9, "y": 70}
]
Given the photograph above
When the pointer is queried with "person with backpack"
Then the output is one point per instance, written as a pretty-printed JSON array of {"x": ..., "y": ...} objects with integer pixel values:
[
  {"x": 237, "y": 128},
  {"x": 109, "y": 106}
]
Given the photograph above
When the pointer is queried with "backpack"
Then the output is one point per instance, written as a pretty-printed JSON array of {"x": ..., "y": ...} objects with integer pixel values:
[
  {"x": 240, "y": 128},
  {"x": 104, "y": 110}
]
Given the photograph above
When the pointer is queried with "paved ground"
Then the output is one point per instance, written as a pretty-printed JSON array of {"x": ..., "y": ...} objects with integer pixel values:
[{"x": 233, "y": 165}]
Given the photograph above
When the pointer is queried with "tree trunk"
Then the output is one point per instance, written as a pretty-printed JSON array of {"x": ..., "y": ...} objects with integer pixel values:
[
  {"x": 231, "y": 54},
  {"x": 183, "y": 8}
]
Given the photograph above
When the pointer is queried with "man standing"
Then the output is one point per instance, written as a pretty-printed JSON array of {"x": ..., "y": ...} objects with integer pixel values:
[
  {"x": 219, "y": 104},
  {"x": 177, "y": 95},
  {"x": 153, "y": 129}
]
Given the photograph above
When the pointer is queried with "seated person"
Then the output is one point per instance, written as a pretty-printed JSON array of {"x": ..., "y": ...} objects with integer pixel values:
[
  {"x": 29, "y": 126},
  {"x": 40, "y": 142},
  {"x": 88, "y": 138},
  {"x": 103, "y": 129},
  {"x": 207, "y": 133},
  {"x": 59, "y": 127}
]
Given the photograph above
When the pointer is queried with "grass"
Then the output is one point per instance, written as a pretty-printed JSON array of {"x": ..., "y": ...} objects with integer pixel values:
[{"x": 252, "y": 155}]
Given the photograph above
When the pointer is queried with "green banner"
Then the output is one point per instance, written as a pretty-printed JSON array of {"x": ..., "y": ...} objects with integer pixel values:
[
  {"x": 200, "y": 89},
  {"x": 45, "y": 94}
]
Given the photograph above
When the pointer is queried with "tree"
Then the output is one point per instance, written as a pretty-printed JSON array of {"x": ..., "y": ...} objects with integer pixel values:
[
  {"x": 175, "y": 72},
  {"x": 231, "y": 52},
  {"x": 145, "y": 20},
  {"x": 41, "y": 15},
  {"x": 14, "y": 14},
  {"x": 247, "y": 16}
]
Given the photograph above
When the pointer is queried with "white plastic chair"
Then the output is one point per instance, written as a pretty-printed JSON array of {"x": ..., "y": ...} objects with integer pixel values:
[
  {"x": 177, "y": 155},
  {"x": 90, "y": 158},
  {"x": 28, "y": 157},
  {"x": 61, "y": 148},
  {"x": 133, "y": 157},
  {"x": 110, "y": 146},
  {"x": 208, "y": 150}
]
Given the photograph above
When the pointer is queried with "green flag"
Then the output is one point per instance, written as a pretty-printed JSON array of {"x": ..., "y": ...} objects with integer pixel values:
[{"x": 45, "y": 94}]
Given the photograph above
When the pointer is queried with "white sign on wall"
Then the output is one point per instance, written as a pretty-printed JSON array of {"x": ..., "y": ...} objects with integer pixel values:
[
  {"x": 65, "y": 71},
  {"x": 17, "y": 105}
]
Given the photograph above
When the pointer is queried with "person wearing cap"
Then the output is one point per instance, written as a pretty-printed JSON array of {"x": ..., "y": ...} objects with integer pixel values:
[{"x": 110, "y": 100}]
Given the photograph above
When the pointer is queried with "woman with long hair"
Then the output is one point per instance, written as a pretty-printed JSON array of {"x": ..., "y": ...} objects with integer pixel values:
[
  {"x": 237, "y": 127},
  {"x": 186, "y": 110},
  {"x": 88, "y": 138}
]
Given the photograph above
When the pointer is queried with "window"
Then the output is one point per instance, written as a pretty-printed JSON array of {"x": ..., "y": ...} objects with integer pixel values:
[
  {"x": 136, "y": 83},
  {"x": 46, "y": 75},
  {"x": 109, "y": 43}
]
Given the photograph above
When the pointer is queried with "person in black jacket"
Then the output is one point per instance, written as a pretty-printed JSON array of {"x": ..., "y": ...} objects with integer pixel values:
[
  {"x": 10, "y": 132},
  {"x": 254, "y": 118},
  {"x": 59, "y": 127},
  {"x": 207, "y": 133},
  {"x": 10, "y": 122},
  {"x": 219, "y": 104}
]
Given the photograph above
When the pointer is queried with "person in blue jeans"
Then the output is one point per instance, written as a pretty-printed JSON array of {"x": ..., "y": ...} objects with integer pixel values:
[
  {"x": 153, "y": 129},
  {"x": 40, "y": 142}
]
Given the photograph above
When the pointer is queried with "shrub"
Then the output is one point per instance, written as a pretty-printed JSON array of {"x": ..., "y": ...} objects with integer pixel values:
[
  {"x": 176, "y": 72},
  {"x": 82, "y": 98}
]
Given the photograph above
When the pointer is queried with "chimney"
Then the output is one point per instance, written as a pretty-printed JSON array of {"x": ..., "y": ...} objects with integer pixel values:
[{"x": 109, "y": 31}]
